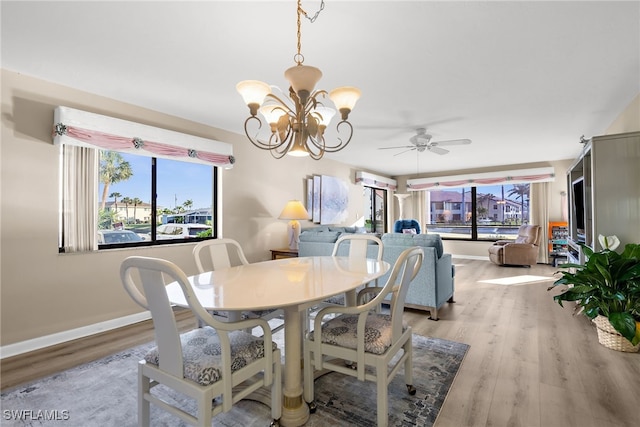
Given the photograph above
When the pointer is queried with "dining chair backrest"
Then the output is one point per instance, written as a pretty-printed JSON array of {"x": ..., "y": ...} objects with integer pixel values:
[
  {"x": 403, "y": 273},
  {"x": 216, "y": 254},
  {"x": 359, "y": 245},
  {"x": 151, "y": 273}
]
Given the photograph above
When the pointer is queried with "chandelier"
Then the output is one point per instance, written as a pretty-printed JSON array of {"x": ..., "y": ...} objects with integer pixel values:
[{"x": 298, "y": 122}]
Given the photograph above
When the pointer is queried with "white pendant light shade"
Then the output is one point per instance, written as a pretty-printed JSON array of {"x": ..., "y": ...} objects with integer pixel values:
[
  {"x": 272, "y": 113},
  {"x": 345, "y": 97},
  {"x": 303, "y": 77},
  {"x": 324, "y": 115},
  {"x": 298, "y": 150},
  {"x": 253, "y": 91}
]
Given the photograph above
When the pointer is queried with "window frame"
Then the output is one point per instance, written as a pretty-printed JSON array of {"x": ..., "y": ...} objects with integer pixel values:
[
  {"x": 474, "y": 225},
  {"x": 154, "y": 218}
]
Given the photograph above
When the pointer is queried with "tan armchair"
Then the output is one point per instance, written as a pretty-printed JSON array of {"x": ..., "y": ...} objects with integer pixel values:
[{"x": 522, "y": 251}]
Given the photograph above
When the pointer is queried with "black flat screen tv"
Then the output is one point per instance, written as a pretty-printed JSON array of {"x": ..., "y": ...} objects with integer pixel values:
[{"x": 578, "y": 207}]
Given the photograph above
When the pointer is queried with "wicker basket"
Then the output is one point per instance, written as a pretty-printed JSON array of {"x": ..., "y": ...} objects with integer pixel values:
[{"x": 610, "y": 338}]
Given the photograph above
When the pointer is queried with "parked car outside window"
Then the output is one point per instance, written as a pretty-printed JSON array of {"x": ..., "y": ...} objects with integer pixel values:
[
  {"x": 180, "y": 231},
  {"x": 117, "y": 236}
]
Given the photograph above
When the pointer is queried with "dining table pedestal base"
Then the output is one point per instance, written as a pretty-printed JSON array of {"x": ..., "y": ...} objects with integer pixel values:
[{"x": 295, "y": 412}]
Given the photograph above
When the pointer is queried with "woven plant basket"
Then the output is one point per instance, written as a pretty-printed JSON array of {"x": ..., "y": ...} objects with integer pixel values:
[{"x": 610, "y": 338}]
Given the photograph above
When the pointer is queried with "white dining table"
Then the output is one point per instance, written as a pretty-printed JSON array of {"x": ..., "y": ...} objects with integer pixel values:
[{"x": 292, "y": 284}]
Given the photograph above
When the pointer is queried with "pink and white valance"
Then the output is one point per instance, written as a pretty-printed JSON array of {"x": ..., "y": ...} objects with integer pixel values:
[
  {"x": 375, "y": 181},
  {"x": 489, "y": 178},
  {"x": 86, "y": 129}
]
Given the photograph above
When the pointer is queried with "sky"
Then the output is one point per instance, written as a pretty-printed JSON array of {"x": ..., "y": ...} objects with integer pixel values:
[{"x": 177, "y": 182}]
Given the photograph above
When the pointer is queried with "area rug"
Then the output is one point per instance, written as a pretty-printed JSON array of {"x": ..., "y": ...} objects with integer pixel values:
[
  {"x": 103, "y": 393},
  {"x": 518, "y": 280}
]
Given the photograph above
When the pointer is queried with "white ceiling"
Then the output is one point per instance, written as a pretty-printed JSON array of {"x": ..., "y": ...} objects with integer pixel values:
[{"x": 522, "y": 79}]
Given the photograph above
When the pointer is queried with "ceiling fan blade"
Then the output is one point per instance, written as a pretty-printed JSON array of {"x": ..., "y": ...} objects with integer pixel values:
[
  {"x": 437, "y": 150},
  {"x": 393, "y": 148},
  {"x": 451, "y": 142},
  {"x": 402, "y": 152}
]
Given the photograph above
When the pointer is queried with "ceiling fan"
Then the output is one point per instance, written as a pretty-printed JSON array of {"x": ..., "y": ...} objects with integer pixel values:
[{"x": 422, "y": 141}]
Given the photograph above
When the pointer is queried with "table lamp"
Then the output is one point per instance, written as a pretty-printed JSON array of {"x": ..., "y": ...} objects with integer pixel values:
[{"x": 294, "y": 211}]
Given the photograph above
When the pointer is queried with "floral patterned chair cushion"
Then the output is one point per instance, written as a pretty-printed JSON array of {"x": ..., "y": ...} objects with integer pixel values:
[
  {"x": 202, "y": 354},
  {"x": 341, "y": 331}
]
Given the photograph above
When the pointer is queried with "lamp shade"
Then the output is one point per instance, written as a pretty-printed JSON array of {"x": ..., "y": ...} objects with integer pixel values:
[
  {"x": 345, "y": 97},
  {"x": 272, "y": 113},
  {"x": 323, "y": 115},
  {"x": 303, "y": 77},
  {"x": 294, "y": 210},
  {"x": 253, "y": 91},
  {"x": 298, "y": 149}
]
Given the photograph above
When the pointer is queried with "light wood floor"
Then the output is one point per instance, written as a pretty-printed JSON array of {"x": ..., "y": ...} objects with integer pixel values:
[{"x": 531, "y": 363}]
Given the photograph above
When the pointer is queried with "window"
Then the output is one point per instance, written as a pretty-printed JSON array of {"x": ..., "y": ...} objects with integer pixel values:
[
  {"x": 375, "y": 209},
  {"x": 120, "y": 180},
  {"x": 182, "y": 208},
  {"x": 478, "y": 213}
]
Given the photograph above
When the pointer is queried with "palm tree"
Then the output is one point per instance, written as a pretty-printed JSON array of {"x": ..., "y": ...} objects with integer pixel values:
[
  {"x": 484, "y": 198},
  {"x": 127, "y": 201},
  {"x": 188, "y": 204},
  {"x": 520, "y": 191},
  {"x": 113, "y": 168},
  {"x": 136, "y": 201},
  {"x": 115, "y": 196},
  {"x": 106, "y": 219}
]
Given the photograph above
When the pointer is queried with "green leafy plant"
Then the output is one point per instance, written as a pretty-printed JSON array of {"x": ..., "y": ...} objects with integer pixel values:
[
  {"x": 608, "y": 284},
  {"x": 368, "y": 224}
]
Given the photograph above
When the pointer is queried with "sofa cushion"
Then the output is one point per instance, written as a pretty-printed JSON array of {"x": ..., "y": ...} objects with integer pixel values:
[
  {"x": 319, "y": 236},
  {"x": 318, "y": 228},
  {"x": 424, "y": 240},
  {"x": 343, "y": 229},
  {"x": 528, "y": 234}
]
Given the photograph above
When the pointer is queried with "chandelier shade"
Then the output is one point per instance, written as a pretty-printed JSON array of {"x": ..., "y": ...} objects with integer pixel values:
[
  {"x": 303, "y": 78},
  {"x": 297, "y": 122}
]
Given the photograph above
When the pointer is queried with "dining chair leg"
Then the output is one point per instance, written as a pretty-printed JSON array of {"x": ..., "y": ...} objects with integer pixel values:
[
  {"x": 383, "y": 401},
  {"x": 408, "y": 365},
  {"x": 308, "y": 377},
  {"x": 144, "y": 414},
  {"x": 276, "y": 390}
]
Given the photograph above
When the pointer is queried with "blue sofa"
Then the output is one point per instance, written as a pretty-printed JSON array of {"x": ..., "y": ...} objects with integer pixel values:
[{"x": 432, "y": 287}]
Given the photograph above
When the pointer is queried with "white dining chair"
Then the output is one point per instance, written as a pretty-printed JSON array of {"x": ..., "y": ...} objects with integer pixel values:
[
  {"x": 216, "y": 365},
  {"x": 356, "y": 247},
  {"x": 216, "y": 254},
  {"x": 368, "y": 338}
]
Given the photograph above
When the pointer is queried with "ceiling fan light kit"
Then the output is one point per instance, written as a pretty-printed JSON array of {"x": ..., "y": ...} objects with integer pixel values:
[
  {"x": 422, "y": 142},
  {"x": 298, "y": 122}
]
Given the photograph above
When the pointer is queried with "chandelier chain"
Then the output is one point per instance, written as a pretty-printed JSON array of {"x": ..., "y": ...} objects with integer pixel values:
[{"x": 299, "y": 58}]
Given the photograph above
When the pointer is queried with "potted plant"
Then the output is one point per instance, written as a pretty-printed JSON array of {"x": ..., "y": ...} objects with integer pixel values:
[
  {"x": 368, "y": 225},
  {"x": 607, "y": 289}
]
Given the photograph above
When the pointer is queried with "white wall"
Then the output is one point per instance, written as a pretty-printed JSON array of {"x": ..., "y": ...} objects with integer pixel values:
[{"x": 44, "y": 292}]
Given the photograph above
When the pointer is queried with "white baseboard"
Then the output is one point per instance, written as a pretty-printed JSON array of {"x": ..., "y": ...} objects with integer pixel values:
[
  {"x": 72, "y": 334},
  {"x": 480, "y": 257}
]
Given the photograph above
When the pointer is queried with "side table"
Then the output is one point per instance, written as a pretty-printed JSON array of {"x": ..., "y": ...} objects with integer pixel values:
[{"x": 284, "y": 253}]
